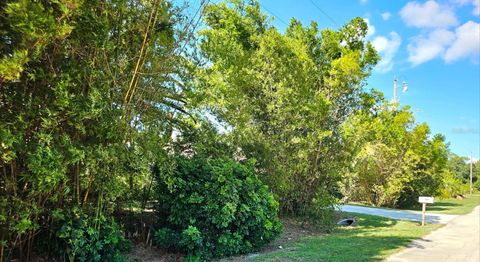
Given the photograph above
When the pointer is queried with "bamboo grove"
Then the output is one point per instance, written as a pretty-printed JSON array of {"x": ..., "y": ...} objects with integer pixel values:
[{"x": 108, "y": 108}]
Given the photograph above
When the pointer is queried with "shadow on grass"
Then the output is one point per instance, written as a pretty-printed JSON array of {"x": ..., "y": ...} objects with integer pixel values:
[
  {"x": 374, "y": 239},
  {"x": 440, "y": 206},
  {"x": 367, "y": 222},
  {"x": 437, "y": 207},
  {"x": 345, "y": 248}
]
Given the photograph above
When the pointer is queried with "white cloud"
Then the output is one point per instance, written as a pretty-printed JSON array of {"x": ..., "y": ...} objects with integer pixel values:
[
  {"x": 450, "y": 46},
  {"x": 475, "y": 3},
  {"x": 466, "y": 44},
  {"x": 387, "y": 47},
  {"x": 461, "y": 2},
  {"x": 465, "y": 130},
  {"x": 386, "y": 16},
  {"x": 422, "y": 49},
  {"x": 429, "y": 14},
  {"x": 371, "y": 28}
]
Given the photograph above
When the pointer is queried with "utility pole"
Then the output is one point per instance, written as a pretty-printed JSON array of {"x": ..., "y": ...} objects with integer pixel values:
[
  {"x": 394, "y": 89},
  {"x": 395, "y": 96},
  {"x": 471, "y": 171}
]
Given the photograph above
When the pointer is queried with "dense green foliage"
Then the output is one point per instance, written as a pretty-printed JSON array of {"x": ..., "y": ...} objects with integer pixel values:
[
  {"x": 82, "y": 238},
  {"x": 395, "y": 160},
  {"x": 94, "y": 95},
  {"x": 460, "y": 168},
  {"x": 284, "y": 96},
  {"x": 214, "y": 207},
  {"x": 81, "y": 120}
]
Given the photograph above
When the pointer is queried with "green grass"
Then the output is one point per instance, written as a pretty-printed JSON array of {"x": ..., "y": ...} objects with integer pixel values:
[
  {"x": 450, "y": 206},
  {"x": 374, "y": 238},
  {"x": 454, "y": 206}
]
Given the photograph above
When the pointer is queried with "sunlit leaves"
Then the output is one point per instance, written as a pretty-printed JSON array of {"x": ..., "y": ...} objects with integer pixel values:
[
  {"x": 285, "y": 95},
  {"x": 394, "y": 159}
]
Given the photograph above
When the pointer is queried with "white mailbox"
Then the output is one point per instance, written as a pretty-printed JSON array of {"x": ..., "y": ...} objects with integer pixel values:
[{"x": 426, "y": 200}]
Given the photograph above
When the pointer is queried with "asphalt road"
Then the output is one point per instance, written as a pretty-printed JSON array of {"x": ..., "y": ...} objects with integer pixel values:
[{"x": 399, "y": 214}]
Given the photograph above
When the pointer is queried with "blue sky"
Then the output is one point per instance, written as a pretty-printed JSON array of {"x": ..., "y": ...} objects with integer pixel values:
[{"x": 432, "y": 45}]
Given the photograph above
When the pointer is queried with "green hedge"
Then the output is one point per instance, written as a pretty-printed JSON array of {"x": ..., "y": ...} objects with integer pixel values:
[
  {"x": 80, "y": 236},
  {"x": 214, "y": 208}
]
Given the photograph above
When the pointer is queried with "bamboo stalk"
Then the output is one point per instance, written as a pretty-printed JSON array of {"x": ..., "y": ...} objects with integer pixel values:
[
  {"x": 14, "y": 179},
  {"x": 85, "y": 196},
  {"x": 77, "y": 175},
  {"x": 134, "y": 81}
]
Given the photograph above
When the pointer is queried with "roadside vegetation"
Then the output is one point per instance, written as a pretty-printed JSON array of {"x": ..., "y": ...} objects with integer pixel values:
[
  {"x": 127, "y": 122},
  {"x": 374, "y": 239},
  {"x": 454, "y": 206},
  {"x": 459, "y": 205}
]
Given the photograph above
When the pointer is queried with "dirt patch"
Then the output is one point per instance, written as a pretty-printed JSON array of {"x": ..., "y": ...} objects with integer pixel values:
[
  {"x": 151, "y": 254},
  {"x": 292, "y": 232}
]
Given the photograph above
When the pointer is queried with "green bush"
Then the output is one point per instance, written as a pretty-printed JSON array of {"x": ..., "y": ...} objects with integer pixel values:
[
  {"x": 214, "y": 208},
  {"x": 476, "y": 185},
  {"x": 80, "y": 237},
  {"x": 321, "y": 212},
  {"x": 166, "y": 238},
  {"x": 452, "y": 186}
]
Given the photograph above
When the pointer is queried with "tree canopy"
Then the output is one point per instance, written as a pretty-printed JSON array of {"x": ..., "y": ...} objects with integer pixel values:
[
  {"x": 283, "y": 95},
  {"x": 393, "y": 159},
  {"x": 108, "y": 108}
]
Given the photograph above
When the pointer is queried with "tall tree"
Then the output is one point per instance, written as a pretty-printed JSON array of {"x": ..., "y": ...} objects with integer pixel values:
[
  {"x": 393, "y": 159},
  {"x": 283, "y": 96},
  {"x": 459, "y": 166},
  {"x": 89, "y": 91}
]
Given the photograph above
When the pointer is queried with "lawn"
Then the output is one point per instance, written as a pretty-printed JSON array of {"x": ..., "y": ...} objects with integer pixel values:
[
  {"x": 454, "y": 206},
  {"x": 374, "y": 238}
]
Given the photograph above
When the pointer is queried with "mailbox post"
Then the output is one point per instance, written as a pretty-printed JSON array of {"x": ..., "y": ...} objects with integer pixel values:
[{"x": 424, "y": 201}]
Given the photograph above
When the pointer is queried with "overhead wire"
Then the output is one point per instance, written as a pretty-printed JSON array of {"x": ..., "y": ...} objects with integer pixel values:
[
  {"x": 273, "y": 14},
  {"x": 324, "y": 13}
]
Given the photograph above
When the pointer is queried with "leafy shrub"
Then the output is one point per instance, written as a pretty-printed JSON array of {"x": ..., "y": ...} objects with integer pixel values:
[
  {"x": 79, "y": 237},
  {"x": 166, "y": 238},
  {"x": 191, "y": 238},
  {"x": 452, "y": 186},
  {"x": 214, "y": 207},
  {"x": 476, "y": 185},
  {"x": 321, "y": 212}
]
